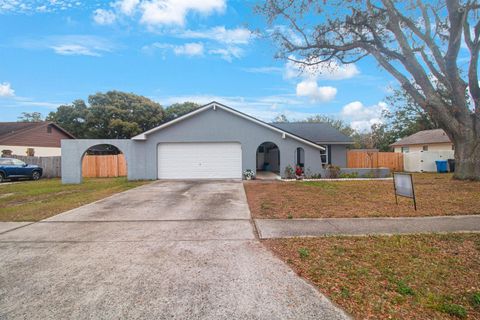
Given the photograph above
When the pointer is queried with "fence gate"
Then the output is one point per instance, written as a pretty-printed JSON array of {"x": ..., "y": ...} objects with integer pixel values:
[
  {"x": 103, "y": 166},
  {"x": 375, "y": 159}
]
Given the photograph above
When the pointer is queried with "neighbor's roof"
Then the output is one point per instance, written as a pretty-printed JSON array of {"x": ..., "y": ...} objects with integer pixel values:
[
  {"x": 214, "y": 105},
  {"x": 8, "y": 129},
  {"x": 320, "y": 132},
  {"x": 424, "y": 137}
]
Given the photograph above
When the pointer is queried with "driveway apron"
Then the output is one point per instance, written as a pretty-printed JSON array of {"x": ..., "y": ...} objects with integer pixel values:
[{"x": 166, "y": 250}]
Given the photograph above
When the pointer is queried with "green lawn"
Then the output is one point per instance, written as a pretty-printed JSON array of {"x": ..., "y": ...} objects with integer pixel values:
[
  {"x": 396, "y": 277},
  {"x": 37, "y": 200}
]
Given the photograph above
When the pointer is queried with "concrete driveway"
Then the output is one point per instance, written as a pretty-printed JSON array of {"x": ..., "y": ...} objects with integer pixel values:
[{"x": 167, "y": 250}]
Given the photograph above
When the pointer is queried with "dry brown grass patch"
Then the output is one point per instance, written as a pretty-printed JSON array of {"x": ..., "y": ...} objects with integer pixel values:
[{"x": 437, "y": 194}]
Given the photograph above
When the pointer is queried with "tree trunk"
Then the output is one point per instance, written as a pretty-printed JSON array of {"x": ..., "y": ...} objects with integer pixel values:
[{"x": 467, "y": 156}]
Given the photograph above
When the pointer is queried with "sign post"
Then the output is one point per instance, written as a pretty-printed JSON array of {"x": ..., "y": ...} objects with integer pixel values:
[{"x": 403, "y": 185}]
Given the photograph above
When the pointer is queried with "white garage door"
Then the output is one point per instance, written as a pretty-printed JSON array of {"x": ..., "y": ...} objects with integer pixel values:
[{"x": 200, "y": 160}]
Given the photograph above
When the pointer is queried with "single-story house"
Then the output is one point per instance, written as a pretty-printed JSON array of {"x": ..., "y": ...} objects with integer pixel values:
[
  {"x": 334, "y": 141},
  {"x": 215, "y": 142},
  {"x": 426, "y": 140},
  {"x": 42, "y": 139}
]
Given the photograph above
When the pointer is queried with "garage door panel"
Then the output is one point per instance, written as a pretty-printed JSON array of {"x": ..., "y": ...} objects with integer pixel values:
[{"x": 199, "y": 161}]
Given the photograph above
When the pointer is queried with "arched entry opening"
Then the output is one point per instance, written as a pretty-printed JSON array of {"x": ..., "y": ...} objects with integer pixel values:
[
  {"x": 268, "y": 157},
  {"x": 103, "y": 161}
]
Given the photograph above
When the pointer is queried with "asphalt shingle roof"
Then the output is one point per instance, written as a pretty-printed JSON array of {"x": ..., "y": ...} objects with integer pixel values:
[
  {"x": 320, "y": 132},
  {"x": 424, "y": 137},
  {"x": 8, "y": 128}
]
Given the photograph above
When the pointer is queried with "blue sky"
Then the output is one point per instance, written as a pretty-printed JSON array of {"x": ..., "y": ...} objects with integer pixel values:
[{"x": 55, "y": 51}]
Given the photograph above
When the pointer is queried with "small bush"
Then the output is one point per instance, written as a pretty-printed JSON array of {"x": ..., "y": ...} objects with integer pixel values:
[
  {"x": 453, "y": 310},
  {"x": 266, "y": 205},
  {"x": 289, "y": 172},
  {"x": 476, "y": 299},
  {"x": 289, "y": 216},
  {"x": 404, "y": 289},
  {"x": 307, "y": 173},
  {"x": 303, "y": 252},
  {"x": 332, "y": 171},
  {"x": 352, "y": 175},
  {"x": 345, "y": 293}
]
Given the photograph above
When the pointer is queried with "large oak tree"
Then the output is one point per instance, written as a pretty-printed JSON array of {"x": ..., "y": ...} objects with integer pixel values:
[
  {"x": 430, "y": 47},
  {"x": 114, "y": 115}
]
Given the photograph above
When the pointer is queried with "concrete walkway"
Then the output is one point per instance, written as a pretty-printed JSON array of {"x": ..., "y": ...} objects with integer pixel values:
[
  {"x": 166, "y": 250},
  {"x": 9, "y": 226},
  {"x": 286, "y": 228}
]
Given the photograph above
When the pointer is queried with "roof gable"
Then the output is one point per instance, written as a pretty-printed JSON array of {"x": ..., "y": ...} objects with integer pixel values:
[
  {"x": 212, "y": 106},
  {"x": 424, "y": 137}
]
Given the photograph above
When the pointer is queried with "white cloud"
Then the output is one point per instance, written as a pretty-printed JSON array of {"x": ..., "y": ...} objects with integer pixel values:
[
  {"x": 221, "y": 34},
  {"x": 126, "y": 7},
  {"x": 85, "y": 45},
  {"x": 310, "y": 89},
  {"x": 74, "y": 50},
  {"x": 362, "y": 117},
  {"x": 189, "y": 49},
  {"x": 265, "y": 108},
  {"x": 286, "y": 31},
  {"x": 104, "y": 17},
  {"x": 228, "y": 53},
  {"x": 323, "y": 71},
  {"x": 40, "y": 6},
  {"x": 6, "y": 90},
  {"x": 174, "y": 12},
  {"x": 28, "y": 103},
  {"x": 266, "y": 70}
]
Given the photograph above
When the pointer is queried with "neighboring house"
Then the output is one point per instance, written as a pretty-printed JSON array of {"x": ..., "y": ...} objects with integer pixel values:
[
  {"x": 422, "y": 149},
  {"x": 212, "y": 142},
  {"x": 426, "y": 140},
  {"x": 39, "y": 138},
  {"x": 324, "y": 134}
]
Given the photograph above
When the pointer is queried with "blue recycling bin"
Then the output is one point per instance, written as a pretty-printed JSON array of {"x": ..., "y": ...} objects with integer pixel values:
[{"x": 442, "y": 166}]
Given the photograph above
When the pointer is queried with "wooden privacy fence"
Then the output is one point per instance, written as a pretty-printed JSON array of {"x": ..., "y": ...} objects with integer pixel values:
[
  {"x": 375, "y": 159},
  {"x": 52, "y": 166},
  {"x": 104, "y": 166}
]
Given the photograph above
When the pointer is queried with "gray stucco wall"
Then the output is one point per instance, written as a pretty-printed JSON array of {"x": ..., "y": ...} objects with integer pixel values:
[
  {"x": 222, "y": 126},
  {"x": 73, "y": 152},
  {"x": 208, "y": 126},
  {"x": 339, "y": 155}
]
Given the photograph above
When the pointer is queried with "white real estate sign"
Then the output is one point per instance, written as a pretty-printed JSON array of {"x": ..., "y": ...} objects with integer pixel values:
[{"x": 403, "y": 184}]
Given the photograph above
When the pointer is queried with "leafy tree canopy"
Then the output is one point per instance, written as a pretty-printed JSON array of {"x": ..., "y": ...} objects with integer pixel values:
[
  {"x": 114, "y": 114},
  {"x": 179, "y": 109},
  {"x": 30, "y": 117}
]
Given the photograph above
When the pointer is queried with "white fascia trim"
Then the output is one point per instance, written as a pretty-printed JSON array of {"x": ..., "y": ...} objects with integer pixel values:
[
  {"x": 143, "y": 136},
  {"x": 335, "y": 142}
]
